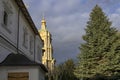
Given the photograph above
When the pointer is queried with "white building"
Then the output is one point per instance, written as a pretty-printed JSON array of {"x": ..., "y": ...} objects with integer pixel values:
[{"x": 20, "y": 44}]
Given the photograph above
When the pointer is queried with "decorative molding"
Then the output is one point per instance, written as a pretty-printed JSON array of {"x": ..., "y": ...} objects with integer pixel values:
[
  {"x": 8, "y": 10},
  {"x": 31, "y": 45},
  {"x": 25, "y": 37},
  {"x": 7, "y": 45},
  {"x": 2, "y": 35},
  {"x": 7, "y": 7}
]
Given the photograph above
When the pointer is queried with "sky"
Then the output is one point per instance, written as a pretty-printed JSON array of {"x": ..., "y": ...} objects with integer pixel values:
[{"x": 66, "y": 21}]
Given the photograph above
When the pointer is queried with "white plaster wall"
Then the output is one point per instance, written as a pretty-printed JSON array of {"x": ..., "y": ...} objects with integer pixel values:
[
  {"x": 10, "y": 35},
  {"x": 38, "y": 45},
  {"x": 26, "y": 50},
  {"x": 34, "y": 72},
  {"x": 6, "y": 48},
  {"x": 13, "y": 27},
  {"x": 3, "y": 75},
  {"x": 41, "y": 74}
]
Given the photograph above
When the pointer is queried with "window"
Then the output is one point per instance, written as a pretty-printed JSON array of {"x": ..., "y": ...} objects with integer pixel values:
[
  {"x": 25, "y": 37},
  {"x": 5, "y": 18}
]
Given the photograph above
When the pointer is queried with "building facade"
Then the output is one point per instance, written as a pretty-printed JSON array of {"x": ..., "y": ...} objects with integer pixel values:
[
  {"x": 18, "y": 35},
  {"x": 47, "y": 56}
]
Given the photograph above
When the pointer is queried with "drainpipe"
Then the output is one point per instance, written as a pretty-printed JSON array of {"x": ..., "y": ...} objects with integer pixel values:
[
  {"x": 34, "y": 46},
  {"x": 18, "y": 30}
]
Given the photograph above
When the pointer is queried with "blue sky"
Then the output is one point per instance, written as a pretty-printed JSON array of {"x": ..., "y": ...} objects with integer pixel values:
[{"x": 66, "y": 21}]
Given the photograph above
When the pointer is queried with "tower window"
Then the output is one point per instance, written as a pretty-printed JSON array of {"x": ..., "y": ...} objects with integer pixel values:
[{"x": 5, "y": 18}]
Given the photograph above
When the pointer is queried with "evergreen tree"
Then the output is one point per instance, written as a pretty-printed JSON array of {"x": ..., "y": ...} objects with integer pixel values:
[
  {"x": 100, "y": 47},
  {"x": 110, "y": 63},
  {"x": 65, "y": 70}
]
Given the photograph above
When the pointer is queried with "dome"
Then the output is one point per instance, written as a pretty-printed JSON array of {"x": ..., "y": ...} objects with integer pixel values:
[{"x": 43, "y": 20}]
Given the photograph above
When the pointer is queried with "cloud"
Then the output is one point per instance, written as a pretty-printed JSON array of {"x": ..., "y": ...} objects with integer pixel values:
[
  {"x": 85, "y": 15},
  {"x": 28, "y": 3},
  {"x": 118, "y": 10},
  {"x": 115, "y": 18},
  {"x": 67, "y": 32},
  {"x": 65, "y": 6}
]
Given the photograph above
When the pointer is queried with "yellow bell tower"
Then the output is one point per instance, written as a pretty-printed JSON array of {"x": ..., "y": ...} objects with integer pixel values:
[{"x": 47, "y": 55}]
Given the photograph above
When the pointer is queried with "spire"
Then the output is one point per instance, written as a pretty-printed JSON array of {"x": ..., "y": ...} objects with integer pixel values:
[{"x": 43, "y": 23}]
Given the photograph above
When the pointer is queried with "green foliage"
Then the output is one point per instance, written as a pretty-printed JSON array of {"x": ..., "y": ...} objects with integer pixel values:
[
  {"x": 65, "y": 70},
  {"x": 100, "y": 54}
]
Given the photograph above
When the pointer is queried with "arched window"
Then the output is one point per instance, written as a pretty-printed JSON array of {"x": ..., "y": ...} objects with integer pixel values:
[{"x": 5, "y": 18}]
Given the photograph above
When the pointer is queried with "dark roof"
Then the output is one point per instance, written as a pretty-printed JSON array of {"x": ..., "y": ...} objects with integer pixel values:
[{"x": 20, "y": 60}]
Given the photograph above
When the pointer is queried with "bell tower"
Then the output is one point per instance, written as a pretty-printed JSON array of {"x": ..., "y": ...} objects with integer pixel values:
[{"x": 47, "y": 55}]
